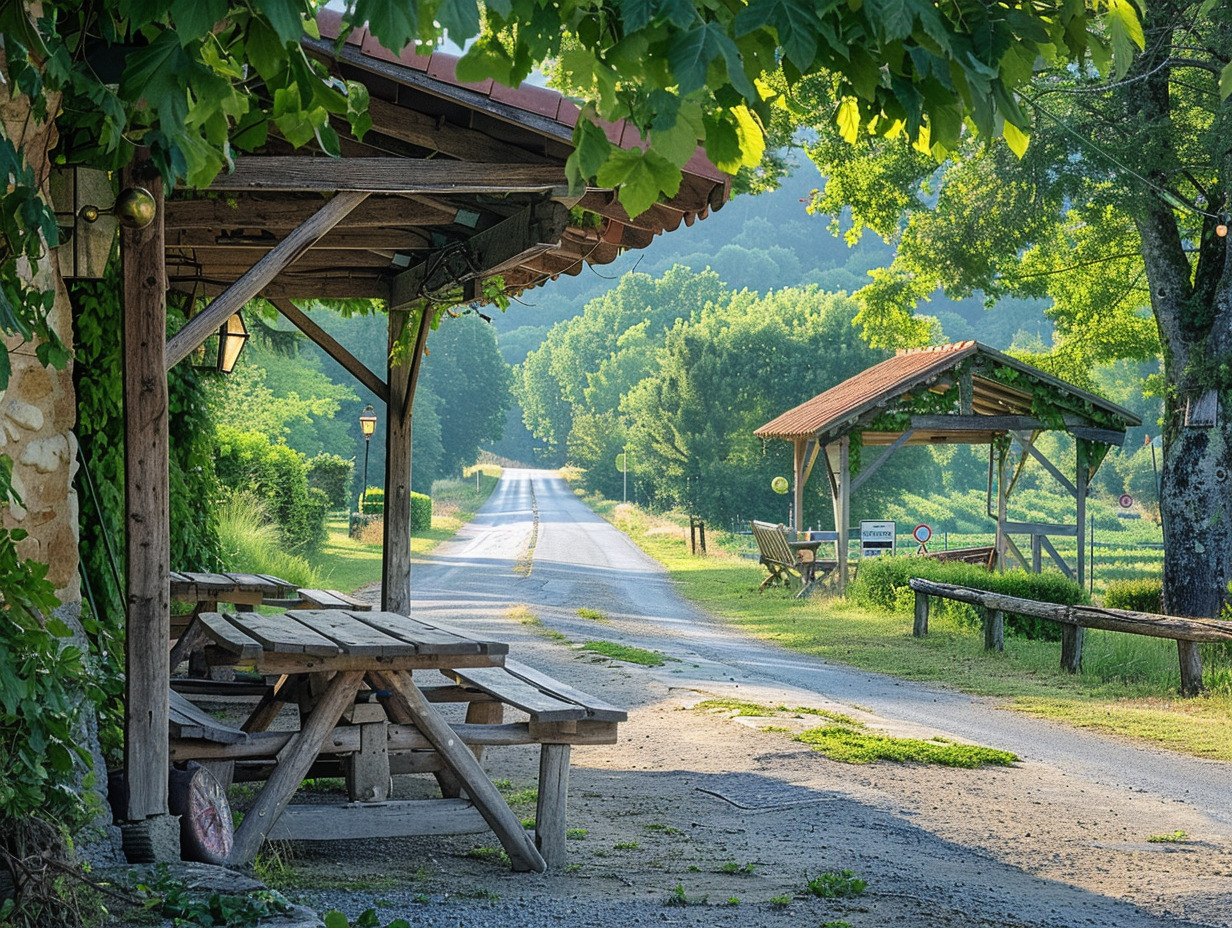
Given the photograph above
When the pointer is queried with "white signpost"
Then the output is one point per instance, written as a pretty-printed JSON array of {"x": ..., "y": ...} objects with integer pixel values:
[{"x": 876, "y": 538}]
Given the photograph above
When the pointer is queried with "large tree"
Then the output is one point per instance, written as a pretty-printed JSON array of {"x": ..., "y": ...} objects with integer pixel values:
[{"x": 1117, "y": 211}]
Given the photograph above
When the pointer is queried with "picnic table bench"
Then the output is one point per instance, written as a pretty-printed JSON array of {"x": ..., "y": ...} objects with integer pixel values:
[
  {"x": 360, "y": 708},
  {"x": 789, "y": 561}
]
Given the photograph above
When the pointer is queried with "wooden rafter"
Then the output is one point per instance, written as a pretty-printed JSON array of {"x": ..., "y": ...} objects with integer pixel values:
[{"x": 387, "y": 175}]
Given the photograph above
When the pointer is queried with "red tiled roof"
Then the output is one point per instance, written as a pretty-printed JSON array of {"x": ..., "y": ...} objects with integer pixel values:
[
  {"x": 528, "y": 97},
  {"x": 856, "y": 395}
]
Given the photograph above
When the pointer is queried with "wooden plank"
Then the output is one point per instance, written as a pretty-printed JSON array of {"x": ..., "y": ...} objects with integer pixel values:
[
  {"x": 404, "y": 123},
  {"x": 521, "y": 849},
  {"x": 333, "y": 348},
  {"x": 147, "y": 504},
  {"x": 296, "y": 174},
  {"x": 263, "y": 272},
  {"x": 365, "y": 821},
  {"x": 352, "y": 636},
  {"x": 426, "y": 638},
  {"x": 293, "y": 763},
  {"x": 367, "y": 770},
  {"x": 595, "y": 708},
  {"x": 1114, "y": 620},
  {"x": 277, "y": 213},
  {"x": 281, "y": 634},
  {"x": 214, "y": 583},
  {"x": 1055, "y": 555},
  {"x": 868, "y": 470},
  {"x": 1029, "y": 446},
  {"x": 551, "y": 807},
  {"x": 229, "y": 637},
  {"x": 541, "y": 706},
  {"x": 190, "y": 721}
]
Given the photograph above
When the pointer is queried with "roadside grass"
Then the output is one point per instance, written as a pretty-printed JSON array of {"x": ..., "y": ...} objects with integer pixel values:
[
  {"x": 624, "y": 652},
  {"x": 1129, "y": 684},
  {"x": 346, "y": 564}
]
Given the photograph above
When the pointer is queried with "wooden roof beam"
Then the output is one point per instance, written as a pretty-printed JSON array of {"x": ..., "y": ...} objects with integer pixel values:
[
  {"x": 415, "y": 128},
  {"x": 260, "y": 211},
  {"x": 504, "y": 245},
  {"x": 388, "y": 175}
]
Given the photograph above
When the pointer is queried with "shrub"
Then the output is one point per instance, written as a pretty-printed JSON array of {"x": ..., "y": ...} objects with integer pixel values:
[
  {"x": 278, "y": 476},
  {"x": 252, "y": 543},
  {"x": 421, "y": 512},
  {"x": 883, "y": 582},
  {"x": 373, "y": 501},
  {"x": 1136, "y": 595},
  {"x": 332, "y": 475}
]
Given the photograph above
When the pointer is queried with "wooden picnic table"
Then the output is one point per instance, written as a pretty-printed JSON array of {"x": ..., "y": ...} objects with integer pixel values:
[{"x": 323, "y": 658}]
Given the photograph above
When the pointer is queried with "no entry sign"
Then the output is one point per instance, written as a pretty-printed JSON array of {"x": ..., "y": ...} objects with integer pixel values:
[{"x": 922, "y": 533}]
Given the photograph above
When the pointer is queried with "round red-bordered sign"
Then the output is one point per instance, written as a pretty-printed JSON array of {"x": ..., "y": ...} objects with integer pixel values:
[
  {"x": 1126, "y": 500},
  {"x": 922, "y": 533}
]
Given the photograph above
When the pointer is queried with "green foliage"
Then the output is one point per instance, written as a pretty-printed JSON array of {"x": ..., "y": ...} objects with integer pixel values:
[
  {"x": 278, "y": 476},
  {"x": 854, "y": 746},
  {"x": 186, "y": 906},
  {"x": 421, "y": 512},
  {"x": 250, "y": 542},
  {"x": 836, "y": 884},
  {"x": 1136, "y": 596},
  {"x": 372, "y": 502},
  {"x": 622, "y": 652},
  {"x": 882, "y": 582},
  {"x": 367, "y": 919},
  {"x": 332, "y": 475}
]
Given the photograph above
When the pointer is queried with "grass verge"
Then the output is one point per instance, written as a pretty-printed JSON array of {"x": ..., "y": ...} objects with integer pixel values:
[{"x": 1129, "y": 684}]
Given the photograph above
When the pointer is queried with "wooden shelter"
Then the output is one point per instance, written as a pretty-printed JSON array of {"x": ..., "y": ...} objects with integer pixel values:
[
  {"x": 455, "y": 184},
  {"x": 965, "y": 393}
]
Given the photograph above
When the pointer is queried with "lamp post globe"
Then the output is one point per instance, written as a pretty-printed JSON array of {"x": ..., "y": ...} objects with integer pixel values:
[{"x": 367, "y": 425}]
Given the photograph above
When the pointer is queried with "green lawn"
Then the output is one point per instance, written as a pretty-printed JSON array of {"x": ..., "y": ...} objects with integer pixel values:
[{"x": 1129, "y": 684}]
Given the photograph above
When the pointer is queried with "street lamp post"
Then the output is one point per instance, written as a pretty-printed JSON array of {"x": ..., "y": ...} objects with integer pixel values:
[{"x": 367, "y": 424}]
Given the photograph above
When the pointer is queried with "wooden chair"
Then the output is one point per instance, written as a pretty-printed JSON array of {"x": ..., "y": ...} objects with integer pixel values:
[{"x": 785, "y": 561}]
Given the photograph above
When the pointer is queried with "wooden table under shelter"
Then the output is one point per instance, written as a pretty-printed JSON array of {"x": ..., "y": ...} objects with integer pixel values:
[{"x": 323, "y": 659}]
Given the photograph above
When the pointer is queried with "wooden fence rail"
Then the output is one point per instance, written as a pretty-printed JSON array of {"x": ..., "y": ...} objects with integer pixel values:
[{"x": 1188, "y": 633}]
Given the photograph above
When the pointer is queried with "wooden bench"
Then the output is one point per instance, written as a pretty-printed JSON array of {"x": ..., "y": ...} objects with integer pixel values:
[
  {"x": 788, "y": 562},
  {"x": 377, "y": 744},
  {"x": 1188, "y": 633}
]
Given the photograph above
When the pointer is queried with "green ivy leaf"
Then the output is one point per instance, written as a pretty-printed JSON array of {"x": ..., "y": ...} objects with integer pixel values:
[
  {"x": 1125, "y": 34},
  {"x": 795, "y": 21},
  {"x": 1225, "y": 81},
  {"x": 691, "y": 55},
  {"x": 286, "y": 16},
  {"x": 460, "y": 19},
  {"x": 486, "y": 58},
  {"x": 641, "y": 176},
  {"x": 195, "y": 18},
  {"x": 335, "y": 919},
  {"x": 394, "y": 24}
]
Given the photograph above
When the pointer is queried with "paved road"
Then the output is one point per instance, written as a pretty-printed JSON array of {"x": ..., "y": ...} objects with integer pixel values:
[
  {"x": 535, "y": 543},
  {"x": 580, "y": 560}
]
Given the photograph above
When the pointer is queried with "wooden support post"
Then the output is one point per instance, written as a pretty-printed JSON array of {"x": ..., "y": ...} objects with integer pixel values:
[
  {"x": 484, "y": 712},
  {"x": 550, "y": 811},
  {"x": 843, "y": 515},
  {"x": 1190, "y": 654},
  {"x": 294, "y": 761},
  {"x": 396, "y": 566},
  {"x": 797, "y": 482},
  {"x": 920, "y": 629},
  {"x": 1001, "y": 506},
  {"x": 1081, "y": 486},
  {"x": 994, "y": 630},
  {"x": 147, "y": 505},
  {"x": 1037, "y": 554},
  {"x": 367, "y": 770},
  {"x": 1071, "y": 647}
]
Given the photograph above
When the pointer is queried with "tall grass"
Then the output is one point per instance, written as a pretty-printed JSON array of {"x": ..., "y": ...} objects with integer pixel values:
[{"x": 251, "y": 542}]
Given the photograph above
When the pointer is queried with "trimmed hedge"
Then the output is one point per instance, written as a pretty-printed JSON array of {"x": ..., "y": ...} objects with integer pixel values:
[
  {"x": 882, "y": 582},
  {"x": 1136, "y": 595},
  {"x": 332, "y": 475},
  {"x": 373, "y": 501},
  {"x": 421, "y": 512}
]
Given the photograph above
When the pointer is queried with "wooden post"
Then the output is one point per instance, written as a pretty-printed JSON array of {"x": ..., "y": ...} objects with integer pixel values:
[
  {"x": 843, "y": 515},
  {"x": 994, "y": 629},
  {"x": 1081, "y": 486},
  {"x": 797, "y": 483},
  {"x": 1001, "y": 453},
  {"x": 1071, "y": 647},
  {"x": 920, "y": 629},
  {"x": 1037, "y": 553},
  {"x": 147, "y": 505},
  {"x": 550, "y": 811},
  {"x": 1190, "y": 653}
]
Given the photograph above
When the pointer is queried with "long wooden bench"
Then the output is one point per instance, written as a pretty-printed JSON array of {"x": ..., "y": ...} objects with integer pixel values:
[
  {"x": 376, "y": 744},
  {"x": 1188, "y": 633},
  {"x": 981, "y": 555}
]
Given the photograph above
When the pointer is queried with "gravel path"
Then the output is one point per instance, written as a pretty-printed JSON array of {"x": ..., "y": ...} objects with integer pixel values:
[{"x": 694, "y": 806}]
